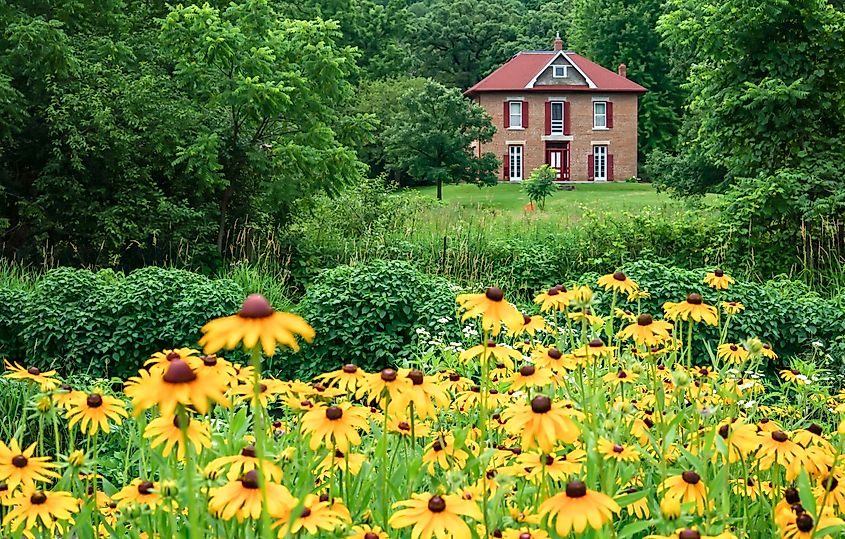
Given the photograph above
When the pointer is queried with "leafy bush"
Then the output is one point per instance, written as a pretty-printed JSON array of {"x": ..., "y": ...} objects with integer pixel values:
[
  {"x": 107, "y": 324},
  {"x": 540, "y": 185},
  {"x": 367, "y": 315}
]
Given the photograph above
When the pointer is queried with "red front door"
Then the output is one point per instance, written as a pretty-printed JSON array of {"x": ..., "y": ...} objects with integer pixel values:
[{"x": 558, "y": 158}]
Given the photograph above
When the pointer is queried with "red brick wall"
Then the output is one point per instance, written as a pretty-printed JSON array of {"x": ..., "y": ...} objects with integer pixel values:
[{"x": 621, "y": 138}]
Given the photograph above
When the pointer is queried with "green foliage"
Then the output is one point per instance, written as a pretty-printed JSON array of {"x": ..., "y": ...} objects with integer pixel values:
[
  {"x": 105, "y": 324},
  {"x": 540, "y": 185},
  {"x": 683, "y": 175},
  {"x": 431, "y": 136},
  {"x": 613, "y": 32},
  {"x": 368, "y": 315}
]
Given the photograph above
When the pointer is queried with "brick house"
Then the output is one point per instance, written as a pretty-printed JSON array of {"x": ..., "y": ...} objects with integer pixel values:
[{"x": 558, "y": 108}]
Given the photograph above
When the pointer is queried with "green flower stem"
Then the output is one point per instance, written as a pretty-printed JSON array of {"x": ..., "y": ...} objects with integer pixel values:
[
  {"x": 260, "y": 434},
  {"x": 190, "y": 469}
]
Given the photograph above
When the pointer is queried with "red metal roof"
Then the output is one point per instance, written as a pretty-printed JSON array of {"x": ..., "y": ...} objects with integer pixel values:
[{"x": 520, "y": 70}]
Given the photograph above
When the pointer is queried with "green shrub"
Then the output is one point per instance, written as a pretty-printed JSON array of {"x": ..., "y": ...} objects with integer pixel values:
[
  {"x": 368, "y": 315},
  {"x": 105, "y": 324},
  {"x": 540, "y": 185}
]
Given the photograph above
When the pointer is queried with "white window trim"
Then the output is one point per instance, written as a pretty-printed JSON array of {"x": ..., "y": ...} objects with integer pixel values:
[
  {"x": 562, "y": 117},
  {"x": 606, "y": 162},
  {"x": 533, "y": 81},
  {"x": 521, "y": 167},
  {"x": 511, "y": 124},
  {"x": 600, "y": 143},
  {"x": 596, "y": 115},
  {"x": 565, "y": 69}
]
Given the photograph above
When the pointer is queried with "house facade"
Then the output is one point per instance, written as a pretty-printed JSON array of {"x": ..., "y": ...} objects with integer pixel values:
[{"x": 559, "y": 108}]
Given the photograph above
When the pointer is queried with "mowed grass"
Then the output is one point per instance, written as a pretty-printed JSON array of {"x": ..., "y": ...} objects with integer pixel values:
[{"x": 566, "y": 205}]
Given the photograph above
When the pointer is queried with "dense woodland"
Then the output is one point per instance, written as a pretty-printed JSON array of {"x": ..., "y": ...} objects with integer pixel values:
[{"x": 129, "y": 130}]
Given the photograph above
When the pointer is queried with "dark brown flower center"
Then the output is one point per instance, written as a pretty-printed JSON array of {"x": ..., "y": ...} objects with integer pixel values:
[
  {"x": 541, "y": 404},
  {"x": 178, "y": 422},
  {"x": 830, "y": 483},
  {"x": 20, "y": 461},
  {"x": 38, "y": 498},
  {"x": 179, "y": 372},
  {"x": 554, "y": 353},
  {"x": 690, "y": 477},
  {"x": 209, "y": 361},
  {"x": 437, "y": 446},
  {"x": 618, "y": 448},
  {"x": 779, "y": 436},
  {"x": 576, "y": 489},
  {"x": 248, "y": 451},
  {"x": 734, "y": 348},
  {"x": 815, "y": 429},
  {"x": 436, "y": 504},
  {"x": 527, "y": 370},
  {"x": 689, "y": 534},
  {"x": 791, "y": 495},
  {"x": 34, "y": 371},
  {"x": 491, "y": 344},
  {"x": 333, "y": 413},
  {"x": 596, "y": 343},
  {"x": 349, "y": 368},
  {"x": 644, "y": 319},
  {"x": 804, "y": 522},
  {"x": 250, "y": 480},
  {"x": 173, "y": 355},
  {"x": 553, "y": 291},
  {"x": 370, "y": 535},
  {"x": 724, "y": 430},
  {"x": 454, "y": 377},
  {"x": 388, "y": 375},
  {"x": 526, "y": 319},
  {"x": 494, "y": 294},
  {"x": 694, "y": 299},
  {"x": 416, "y": 377},
  {"x": 255, "y": 306},
  {"x": 94, "y": 400},
  {"x": 550, "y": 460},
  {"x": 524, "y": 535},
  {"x": 719, "y": 273},
  {"x": 404, "y": 425},
  {"x": 145, "y": 488},
  {"x": 619, "y": 276}
]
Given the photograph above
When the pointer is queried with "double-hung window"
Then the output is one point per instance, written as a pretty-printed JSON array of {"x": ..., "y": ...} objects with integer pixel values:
[
  {"x": 599, "y": 115},
  {"x": 515, "y": 114},
  {"x": 600, "y": 163},
  {"x": 515, "y": 162},
  {"x": 556, "y": 110}
]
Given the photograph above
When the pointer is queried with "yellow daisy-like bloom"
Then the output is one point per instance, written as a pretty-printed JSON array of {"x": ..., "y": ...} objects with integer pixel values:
[
  {"x": 241, "y": 499},
  {"x": 746, "y": 488},
  {"x": 32, "y": 506},
  {"x": 693, "y": 308},
  {"x": 620, "y": 377},
  {"x": 492, "y": 308},
  {"x": 426, "y": 395},
  {"x": 268, "y": 390},
  {"x": 160, "y": 360},
  {"x": 256, "y": 321},
  {"x": 740, "y": 437},
  {"x": 718, "y": 280},
  {"x": 619, "y": 452},
  {"x": 639, "y": 507},
  {"x": 367, "y": 532},
  {"x": 768, "y": 352},
  {"x": 20, "y": 467},
  {"x": 344, "y": 462},
  {"x": 834, "y": 486},
  {"x": 803, "y": 525},
  {"x": 646, "y": 331},
  {"x": 524, "y": 533},
  {"x": 732, "y": 353},
  {"x": 534, "y": 466},
  {"x": 530, "y": 376},
  {"x": 435, "y": 515},
  {"x": 618, "y": 282},
  {"x": 442, "y": 452},
  {"x": 732, "y": 307},
  {"x": 167, "y": 430},
  {"x": 384, "y": 385},
  {"x": 244, "y": 462},
  {"x": 498, "y": 353},
  {"x": 138, "y": 492},
  {"x": 348, "y": 378},
  {"x": 94, "y": 411},
  {"x": 595, "y": 349},
  {"x": 541, "y": 424},
  {"x": 555, "y": 298},
  {"x": 46, "y": 380},
  {"x": 681, "y": 489},
  {"x": 315, "y": 517},
  {"x": 587, "y": 316},
  {"x": 794, "y": 376},
  {"x": 530, "y": 325},
  {"x": 335, "y": 426},
  {"x": 179, "y": 384},
  {"x": 577, "y": 508}
]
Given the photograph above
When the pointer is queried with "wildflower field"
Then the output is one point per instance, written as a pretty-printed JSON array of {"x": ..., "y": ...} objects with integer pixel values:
[{"x": 576, "y": 420}]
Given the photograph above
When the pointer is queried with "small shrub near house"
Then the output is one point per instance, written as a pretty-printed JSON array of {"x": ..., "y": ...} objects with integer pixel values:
[{"x": 540, "y": 185}]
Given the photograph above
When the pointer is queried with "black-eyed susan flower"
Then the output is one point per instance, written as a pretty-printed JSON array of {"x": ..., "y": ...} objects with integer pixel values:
[
  {"x": 552, "y": 358},
  {"x": 794, "y": 376},
  {"x": 620, "y": 377},
  {"x": 348, "y": 378},
  {"x": 383, "y": 386},
  {"x": 542, "y": 423},
  {"x": 178, "y": 384},
  {"x": 315, "y": 516},
  {"x": 138, "y": 492},
  {"x": 492, "y": 308},
  {"x": 256, "y": 322},
  {"x": 33, "y": 509},
  {"x": 718, "y": 280},
  {"x": 435, "y": 515},
  {"x": 577, "y": 508},
  {"x": 767, "y": 351},
  {"x": 442, "y": 452},
  {"x": 241, "y": 499},
  {"x": 167, "y": 431},
  {"x": 346, "y": 462},
  {"x": 732, "y": 307},
  {"x": 46, "y": 380},
  {"x": 693, "y": 308},
  {"x": 646, "y": 330},
  {"x": 524, "y": 533},
  {"x": 638, "y": 507},
  {"x": 777, "y": 448},
  {"x": 20, "y": 466},
  {"x": 424, "y": 393},
  {"x": 618, "y": 282},
  {"x": 831, "y": 489},
  {"x": 802, "y": 525},
  {"x": 492, "y": 352},
  {"x": 160, "y": 360},
  {"x": 685, "y": 488},
  {"x": 335, "y": 426},
  {"x": 556, "y": 298},
  {"x": 587, "y": 315},
  {"x": 530, "y": 325},
  {"x": 93, "y": 411},
  {"x": 268, "y": 391},
  {"x": 616, "y": 451},
  {"x": 246, "y": 461},
  {"x": 746, "y": 487},
  {"x": 529, "y": 376},
  {"x": 740, "y": 438},
  {"x": 365, "y": 531},
  {"x": 732, "y": 353}
]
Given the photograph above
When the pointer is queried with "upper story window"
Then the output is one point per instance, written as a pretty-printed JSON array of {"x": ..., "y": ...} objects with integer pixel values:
[
  {"x": 600, "y": 115},
  {"x": 556, "y": 109},
  {"x": 515, "y": 114},
  {"x": 560, "y": 72}
]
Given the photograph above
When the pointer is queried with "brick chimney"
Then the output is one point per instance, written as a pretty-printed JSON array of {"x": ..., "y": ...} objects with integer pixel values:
[
  {"x": 623, "y": 70},
  {"x": 558, "y": 43}
]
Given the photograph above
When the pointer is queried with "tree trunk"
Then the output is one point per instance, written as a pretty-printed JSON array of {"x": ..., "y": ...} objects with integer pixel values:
[
  {"x": 439, "y": 188},
  {"x": 224, "y": 206}
]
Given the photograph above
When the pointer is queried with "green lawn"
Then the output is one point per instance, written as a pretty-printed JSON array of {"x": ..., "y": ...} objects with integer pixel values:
[{"x": 509, "y": 198}]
